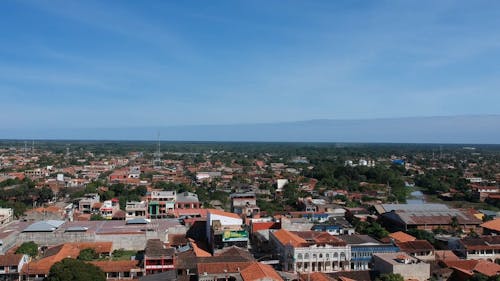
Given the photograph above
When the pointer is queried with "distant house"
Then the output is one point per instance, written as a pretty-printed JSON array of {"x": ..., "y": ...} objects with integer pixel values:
[
  {"x": 224, "y": 229},
  {"x": 491, "y": 227},
  {"x": 85, "y": 205},
  {"x": 426, "y": 217},
  {"x": 363, "y": 247},
  {"x": 483, "y": 247},
  {"x": 420, "y": 249},
  {"x": 11, "y": 266},
  {"x": 465, "y": 269},
  {"x": 157, "y": 257},
  {"x": 6, "y": 215}
]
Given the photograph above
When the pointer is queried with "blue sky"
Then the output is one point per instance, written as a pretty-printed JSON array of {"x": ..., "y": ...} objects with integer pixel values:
[{"x": 86, "y": 64}]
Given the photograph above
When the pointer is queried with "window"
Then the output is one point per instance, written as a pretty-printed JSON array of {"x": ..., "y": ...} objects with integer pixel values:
[{"x": 299, "y": 256}]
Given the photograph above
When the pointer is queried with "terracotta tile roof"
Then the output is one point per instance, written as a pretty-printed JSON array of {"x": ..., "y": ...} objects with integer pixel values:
[
  {"x": 481, "y": 243},
  {"x": 235, "y": 251},
  {"x": 400, "y": 236},
  {"x": 492, "y": 225},
  {"x": 256, "y": 226},
  {"x": 58, "y": 253},
  {"x": 319, "y": 237},
  {"x": 190, "y": 212},
  {"x": 197, "y": 250},
  {"x": 316, "y": 276},
  {"x": 177, "y": 239},
  {"x": 485, "y": 267},
  {"x": 221, "y": 267},
  {"x": 259, "y": 271},
  {"x": 10, "y": 259},
  {"x": 98, "y": 247},
  {"x": 415, "y": 246},
  {"x": 43, "y": 265},
  {"x": 156, "y": 248},
  {"x": 445, "y": 255},
  {"x": 222, "y": 213},
  {"x": 116, "y": 266},
  {"x": 286, "y": 237}
]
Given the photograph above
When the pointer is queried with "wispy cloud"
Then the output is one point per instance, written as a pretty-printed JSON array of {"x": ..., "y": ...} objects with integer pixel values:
[{"x": 119, "y": 20}]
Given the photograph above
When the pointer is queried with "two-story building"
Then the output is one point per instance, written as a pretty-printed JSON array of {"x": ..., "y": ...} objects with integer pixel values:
[
  {"x": 136, "y": 209},
  {"x": 86, "y": 204},
  {"x": 480, "y": 248},
  {"x": 310, "y": 251},
  {"x": 161, "y": 204},
  {"x": 11, "y": 266},
  {"x": 157, "y": 257},
  {"x": 245, "y": 204},
  {"x": 363, "y": 247}
]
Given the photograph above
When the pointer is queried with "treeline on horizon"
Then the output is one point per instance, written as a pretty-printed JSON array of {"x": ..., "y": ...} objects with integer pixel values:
[{"x": 298, "y": 148}]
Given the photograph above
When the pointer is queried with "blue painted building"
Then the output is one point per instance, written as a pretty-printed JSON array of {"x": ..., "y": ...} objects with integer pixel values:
[{"x": 362, "y": 249}]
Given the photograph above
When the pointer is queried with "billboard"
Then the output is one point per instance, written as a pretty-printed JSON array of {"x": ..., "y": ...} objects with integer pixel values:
[{"x": 234, "y": 235}]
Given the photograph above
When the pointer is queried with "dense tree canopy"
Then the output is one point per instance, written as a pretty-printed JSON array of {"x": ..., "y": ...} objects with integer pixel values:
[
  {"x": 28, "y": 248},
  {"x": 75, "y": 270}
]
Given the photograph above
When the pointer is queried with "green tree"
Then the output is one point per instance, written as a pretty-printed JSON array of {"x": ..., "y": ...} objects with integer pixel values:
[
  {"x": 390, "y": 277},
  {"x": 87, "y": 254},
  {"x": 421, "y": 234},
  {"x": 371, "y": 228},
  {"x": 46, "y": 194},
  {"x": 75, "y": 270},
  {"x": 29, "y": 248},
  {"x": 96, "y": 217},
  {"x": 479, "y": 277}
]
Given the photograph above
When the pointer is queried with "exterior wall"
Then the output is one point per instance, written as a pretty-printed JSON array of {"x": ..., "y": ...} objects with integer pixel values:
[
  {"x": 8, "y": 242},
  {"x": 416, "y": 270},
  {"x": 126, "y": 241},
  {"x": 12, "y": 272},
  {"x": 320, "y": 258},
  {"x": 6, "y": 215},
  {"x": 491, "y": 255},
  {"x": 361, "y": 256},
  {"x": 313, "y": 258}
]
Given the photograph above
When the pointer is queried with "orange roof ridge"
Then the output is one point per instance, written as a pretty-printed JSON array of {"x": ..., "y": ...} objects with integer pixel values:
[
  {"x": 286, "y": 237},
  {"x": 259, "y": 271},
  {"x": 223, "y": 213},
  {"x": 401, "y": 236}
]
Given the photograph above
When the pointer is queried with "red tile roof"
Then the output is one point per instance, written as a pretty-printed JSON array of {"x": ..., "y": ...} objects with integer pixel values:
[
  {"x": 58, "y": 253},
  {"x": 197, "y": 250},
  {"x": 400, "y": 236},
  {"x": 485, "y": 267},
  {"x": 259, "y": 271},
  {"x": 221, "y": 267},
  {"x": 285, "y": 237},
  {"x": 10, "y": 259},
  {"x": 492, "y": 225},
  {"x": 116, "y": 266},
  {"x": 222, "y": 213}
]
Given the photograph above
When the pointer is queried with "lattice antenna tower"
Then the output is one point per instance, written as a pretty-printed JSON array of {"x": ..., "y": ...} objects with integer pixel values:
[{"x": 157, "y": 155}]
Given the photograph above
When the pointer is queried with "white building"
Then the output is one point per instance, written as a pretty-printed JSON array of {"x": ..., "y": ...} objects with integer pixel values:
[
  {"x": 310, "y": 251},
  {"x": 6, "y": 215}
]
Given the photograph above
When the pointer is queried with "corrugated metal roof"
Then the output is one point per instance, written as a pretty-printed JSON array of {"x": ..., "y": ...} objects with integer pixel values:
[{"x": 44, "y": 226}]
